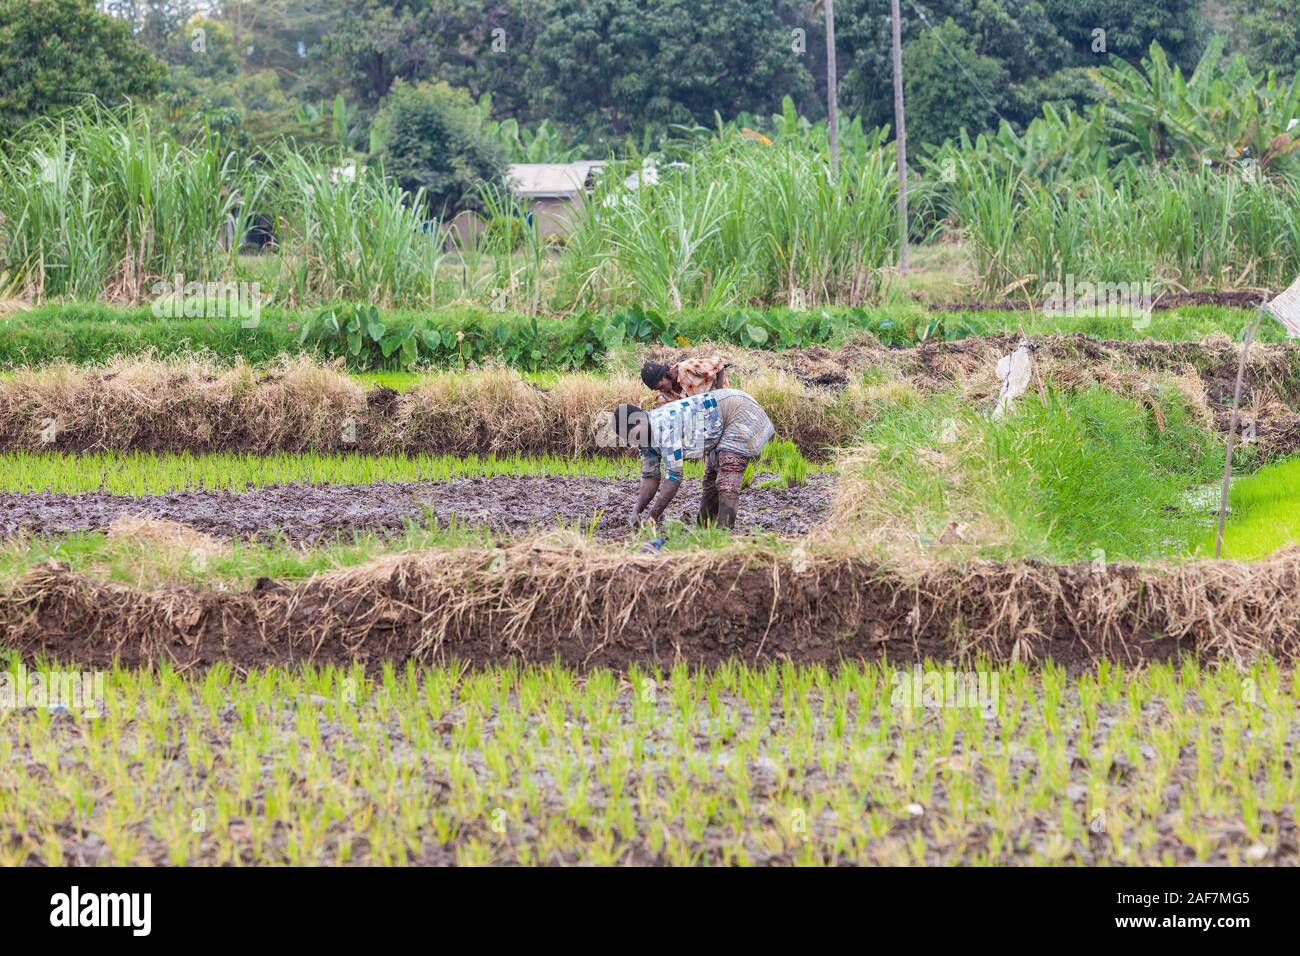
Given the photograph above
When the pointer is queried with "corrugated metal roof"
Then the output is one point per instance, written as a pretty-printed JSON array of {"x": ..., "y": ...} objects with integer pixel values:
[{"x": 540, "y": 180}]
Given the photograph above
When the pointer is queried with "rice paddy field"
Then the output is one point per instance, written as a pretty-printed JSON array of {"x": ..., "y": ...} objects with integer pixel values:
[
  {"x": 357, "y": 582},
  {"x": 740, "y": 764},
  {"x": 936, "y": 638}
]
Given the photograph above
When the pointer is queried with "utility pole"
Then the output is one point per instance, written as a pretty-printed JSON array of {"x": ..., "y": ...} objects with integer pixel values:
[
  {"x": 900, "y": 135},
  {"x": 832, "y": 95}
]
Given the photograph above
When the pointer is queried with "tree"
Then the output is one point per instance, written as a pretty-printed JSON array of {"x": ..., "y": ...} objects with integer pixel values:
[
  {"x": 1018, "y": 36},
  {"x": 1130, "y": 27},
  {"x": 832, "y": 93},
  {"x": 1270, "y": 33},
  {"x": 1041, "y": 49},
  {"x": 612, "y": 65},
  {"x": 428, "y": 136},
  {"x": 380, "y": 42},
  {"x": 939, "y": 66},
  {"x": 56, "y": 53},
  {"x": 155, "y": 24}
]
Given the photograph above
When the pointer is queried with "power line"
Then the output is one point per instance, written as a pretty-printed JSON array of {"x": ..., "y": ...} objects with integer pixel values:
[{"x": 960, "y": 66}]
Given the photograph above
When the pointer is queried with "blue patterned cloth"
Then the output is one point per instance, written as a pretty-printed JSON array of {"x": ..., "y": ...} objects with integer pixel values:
[{"x": 686, "y": 428}]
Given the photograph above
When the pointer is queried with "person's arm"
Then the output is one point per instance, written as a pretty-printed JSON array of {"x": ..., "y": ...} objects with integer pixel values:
[
  {"x": 645, "y": 495},
  {"x": 666, "y": 496},
  {"x": 650, "y": 468}
]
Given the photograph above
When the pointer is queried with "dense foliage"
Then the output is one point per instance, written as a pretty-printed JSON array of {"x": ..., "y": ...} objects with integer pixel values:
[
  {"x": 60, "y": 53},
  {"x": 427, "y": 138},
  {"x": 616, "y": 73}
]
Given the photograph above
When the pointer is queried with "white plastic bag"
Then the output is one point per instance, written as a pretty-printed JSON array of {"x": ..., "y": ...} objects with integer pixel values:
[{"x": 1014, "y": 372}]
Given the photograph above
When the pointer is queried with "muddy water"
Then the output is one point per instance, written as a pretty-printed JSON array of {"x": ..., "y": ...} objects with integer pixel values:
[{"x": 306, "y": 513}]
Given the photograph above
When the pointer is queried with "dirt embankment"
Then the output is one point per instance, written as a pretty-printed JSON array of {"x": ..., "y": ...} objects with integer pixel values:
[
  {"x": 298, "y": 406},
  {"x": 302, "y": 512},
  {"x": 540, "y": 601},
  {"x": 815, "y": 397}
]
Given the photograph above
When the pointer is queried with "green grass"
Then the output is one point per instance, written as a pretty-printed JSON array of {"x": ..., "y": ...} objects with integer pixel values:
[
  {"x": 1265, "y": 513},
  {"x": 149, "y": 561},
  {"x": 142, "y": 473},
  {"x": 1184, "y": 324},
  {"x": 138, "y": 473},
  {"x": 732, "y": 765},
  {"x": 1076, "y": 476},
  {"x": 84, "y": 333}
]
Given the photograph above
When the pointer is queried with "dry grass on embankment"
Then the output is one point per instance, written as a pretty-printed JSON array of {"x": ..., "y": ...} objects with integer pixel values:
[
  {"x": 300, "y": 405},
  {"x": 815, "y": 397},
  {"x": 1204, "y": 373},
  {"x": 560, "y": 599},
  {"x": 1075, "y": 359}
]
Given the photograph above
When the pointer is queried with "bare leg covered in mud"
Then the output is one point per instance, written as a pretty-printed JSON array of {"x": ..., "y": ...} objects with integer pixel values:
[
  {"x": 723, "y": 475},
  {"x": 709, "y": 496}
]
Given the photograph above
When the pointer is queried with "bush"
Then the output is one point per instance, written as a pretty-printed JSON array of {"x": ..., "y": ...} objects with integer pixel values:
[{"x": 427, "y": 137}]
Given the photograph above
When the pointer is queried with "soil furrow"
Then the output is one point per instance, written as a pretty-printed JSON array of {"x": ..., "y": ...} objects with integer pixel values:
[{"x": 302, "y": 512}]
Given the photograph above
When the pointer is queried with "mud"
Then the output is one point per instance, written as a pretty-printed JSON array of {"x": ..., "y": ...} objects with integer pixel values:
[
  {"x": 542, "y": 601},
  {"x": 301, "y": 512},
  {"x": 971, "y": 815}
]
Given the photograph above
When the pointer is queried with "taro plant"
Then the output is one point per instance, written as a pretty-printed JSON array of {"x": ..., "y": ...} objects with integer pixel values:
[{"x": 366, "y": 341}]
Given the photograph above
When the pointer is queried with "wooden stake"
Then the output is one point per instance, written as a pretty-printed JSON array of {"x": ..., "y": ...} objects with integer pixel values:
[
  {"x": 900, "y": 135},
  {"x": 832, "y": 94}
]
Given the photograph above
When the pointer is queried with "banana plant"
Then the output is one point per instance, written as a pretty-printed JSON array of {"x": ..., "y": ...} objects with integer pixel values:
[{"x": 1222, "y": 114}]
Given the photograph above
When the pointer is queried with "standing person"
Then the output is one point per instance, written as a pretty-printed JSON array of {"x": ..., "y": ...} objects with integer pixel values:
[
  {"x": 726, "y": 427},
  {"x": 690, "y": 376}
]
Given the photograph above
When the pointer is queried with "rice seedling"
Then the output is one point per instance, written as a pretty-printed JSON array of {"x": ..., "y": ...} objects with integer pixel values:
[
  {"x": 137, "y": 473},
  {"x": 134, "y": 474},
  {"x": 781, "y": 457},
  {"x": 1265, "y": 513},
  {"x": 1076, "y": 476},
  {"x": 735, "y": 765}
]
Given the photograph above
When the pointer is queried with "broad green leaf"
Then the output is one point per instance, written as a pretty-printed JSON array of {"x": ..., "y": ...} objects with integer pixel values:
[{"x": 410, "y": 351}]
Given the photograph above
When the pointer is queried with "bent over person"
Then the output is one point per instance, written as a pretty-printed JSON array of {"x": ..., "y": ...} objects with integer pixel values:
[
  {"x": 690, "y": 376},
  {"x": 725, "y": 427}
]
